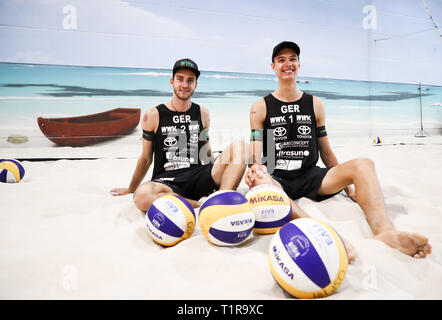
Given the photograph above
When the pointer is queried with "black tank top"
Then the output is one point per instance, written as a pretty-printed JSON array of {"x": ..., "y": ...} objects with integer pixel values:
[
  {"x": 290, "y": 135},
  {"x": 176, "y": 142}
]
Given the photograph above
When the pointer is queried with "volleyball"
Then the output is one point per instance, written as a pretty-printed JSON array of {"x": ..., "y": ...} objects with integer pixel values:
[
  {"x": 11, "y": 171},
  {"x": 170, "y": 220},
  {"x": 308, "y": 258},
  {"x": 272, "y": 208},
  {"x": 377, "y": 140},
  {"x": 226, "y": 218}
]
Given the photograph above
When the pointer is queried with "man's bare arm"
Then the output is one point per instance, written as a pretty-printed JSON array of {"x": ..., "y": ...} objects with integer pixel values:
[
  {"x": 257, "y": 118},
  {"x": 149, "y": 123}
]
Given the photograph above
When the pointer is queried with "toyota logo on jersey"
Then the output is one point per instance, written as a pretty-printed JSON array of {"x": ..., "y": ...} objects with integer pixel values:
[
  {"x": 304, "y": 130},
  {"x": 170, "y": 141},
  {"x": 279, "y": 131}
]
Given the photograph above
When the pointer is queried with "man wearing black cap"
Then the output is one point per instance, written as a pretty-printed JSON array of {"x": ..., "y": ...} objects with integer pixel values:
[
  {"x": 175, "y": 139},
  {"x": 288, "y": 129}
]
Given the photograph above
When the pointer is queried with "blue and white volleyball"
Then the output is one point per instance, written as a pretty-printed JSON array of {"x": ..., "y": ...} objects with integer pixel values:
[
  {"x": 226, "y": 218},
  {"x": 272, "y": 208},
  {"x": 11, "y": 171},
  {"x": 308, "y": 258},
  {"x": 170, "y": 220}
]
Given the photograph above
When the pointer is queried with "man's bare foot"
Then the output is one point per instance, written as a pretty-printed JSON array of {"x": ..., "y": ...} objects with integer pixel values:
[{"x": 411, "y": 244}]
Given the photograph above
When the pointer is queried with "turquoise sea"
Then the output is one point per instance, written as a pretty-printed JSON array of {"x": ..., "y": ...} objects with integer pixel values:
[{"x": 28, "y": 91}]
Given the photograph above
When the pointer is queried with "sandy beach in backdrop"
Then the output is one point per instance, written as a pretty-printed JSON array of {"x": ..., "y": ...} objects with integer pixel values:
[{"x": 63, "y": 236}]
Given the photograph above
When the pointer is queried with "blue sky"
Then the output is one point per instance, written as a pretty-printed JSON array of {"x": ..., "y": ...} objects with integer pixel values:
[{"x": 235, "y": 36}]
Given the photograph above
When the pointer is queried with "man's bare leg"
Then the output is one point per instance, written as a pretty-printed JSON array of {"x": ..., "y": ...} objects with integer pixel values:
[
  {"x": 229, "y": 167},
  {"x": 149, "y": 191},
  {"x": 361, "y": 173}
]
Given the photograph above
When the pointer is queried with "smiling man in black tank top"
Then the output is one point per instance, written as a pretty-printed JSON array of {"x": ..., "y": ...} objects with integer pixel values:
[
  {"x": 288, "y": 129},
  {"x": 175, "y": 139}
]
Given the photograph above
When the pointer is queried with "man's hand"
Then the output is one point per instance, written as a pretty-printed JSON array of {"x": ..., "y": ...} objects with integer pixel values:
[
  {"x": 351, "y": 193},
  {"x": 256, "y": 169},
  {"x": 119, "y": 191}
]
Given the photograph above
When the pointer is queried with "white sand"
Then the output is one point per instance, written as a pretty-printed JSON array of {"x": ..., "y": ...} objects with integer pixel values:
[{"x": 63, "y": 236}]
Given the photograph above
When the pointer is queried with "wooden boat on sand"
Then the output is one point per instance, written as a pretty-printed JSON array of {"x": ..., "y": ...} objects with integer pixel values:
[{"x": 86, "y": 130}]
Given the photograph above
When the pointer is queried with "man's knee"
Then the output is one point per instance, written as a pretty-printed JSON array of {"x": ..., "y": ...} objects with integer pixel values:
[
  {"x": 363, "y": 165},
  {"x": 146, "y": 194},
  {"x": 143, "y": 200}
]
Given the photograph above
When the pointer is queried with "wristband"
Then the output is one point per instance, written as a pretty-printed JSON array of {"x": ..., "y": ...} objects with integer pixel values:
[{"x": 256, "y": 135}]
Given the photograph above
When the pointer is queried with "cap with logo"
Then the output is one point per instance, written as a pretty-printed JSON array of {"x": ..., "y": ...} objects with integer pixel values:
[
  {"x": 186, "y": 64},
  {"x": 284, "y": 45}
]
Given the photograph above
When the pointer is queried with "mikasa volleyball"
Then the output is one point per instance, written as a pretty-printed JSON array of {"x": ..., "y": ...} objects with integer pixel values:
[
  {"x": 11, "y": 171},
  {"x": 272, "y": 208},
  {"x": 170, "y": 220},
  {"x": 226, "y": 218},
  {"x": 308, "y": 258}
]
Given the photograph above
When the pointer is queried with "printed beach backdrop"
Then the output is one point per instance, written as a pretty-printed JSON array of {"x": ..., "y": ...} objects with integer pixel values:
[
  {"x": 63, "y": 236},
  {"x": 354, "y": 108},
  {"x": 363, "y": 58}
]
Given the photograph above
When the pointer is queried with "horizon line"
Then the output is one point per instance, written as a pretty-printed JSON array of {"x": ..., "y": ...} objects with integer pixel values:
[{"x": 246, "y": 73}]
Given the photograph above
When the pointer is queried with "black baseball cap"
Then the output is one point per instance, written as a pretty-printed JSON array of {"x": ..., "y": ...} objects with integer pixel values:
[
  {"x": 186, "y": 63},
  {"x": 284, "y": 45}
]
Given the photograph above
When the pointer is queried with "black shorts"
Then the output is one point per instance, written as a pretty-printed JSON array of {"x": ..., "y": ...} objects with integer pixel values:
[
  {"x": 303, "y": 183},
  {"x": 192, "y": 183}
]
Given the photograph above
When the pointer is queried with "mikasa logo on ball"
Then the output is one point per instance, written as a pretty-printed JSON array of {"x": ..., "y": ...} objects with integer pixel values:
[
  {"x": 258, "y": 199},
  {"x": 241, "y": 222},
  {"x": 281, "y": 263},
  {"x": 153, "y": 233}
]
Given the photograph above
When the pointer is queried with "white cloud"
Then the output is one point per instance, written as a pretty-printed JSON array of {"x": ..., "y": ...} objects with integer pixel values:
[{"x": 119, "y": 17}]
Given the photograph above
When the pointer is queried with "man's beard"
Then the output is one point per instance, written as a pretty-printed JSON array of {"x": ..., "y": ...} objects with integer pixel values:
[{"x": 183, "y": 96}]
